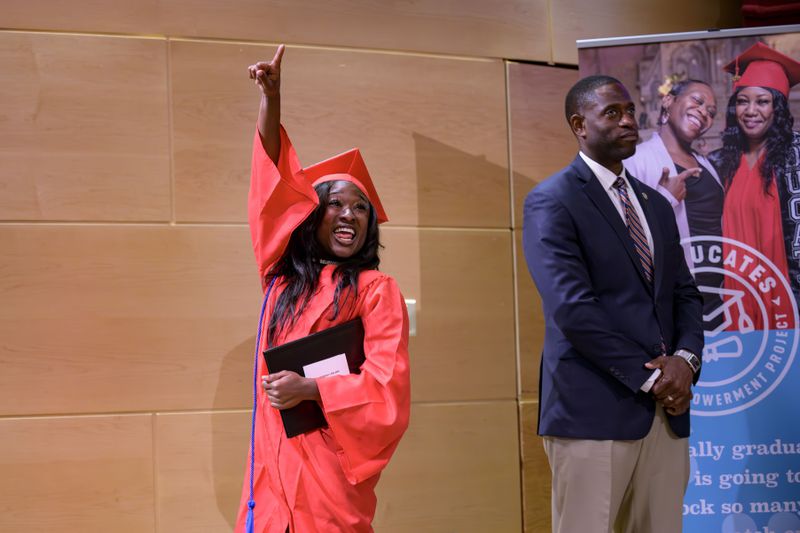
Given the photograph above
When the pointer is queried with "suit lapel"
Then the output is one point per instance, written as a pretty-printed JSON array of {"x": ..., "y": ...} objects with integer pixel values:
[{"x": 599, "y": 197}]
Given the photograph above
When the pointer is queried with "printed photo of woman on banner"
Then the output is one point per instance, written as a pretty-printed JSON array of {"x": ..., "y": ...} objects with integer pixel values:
[{"x": 716, "y": 121}]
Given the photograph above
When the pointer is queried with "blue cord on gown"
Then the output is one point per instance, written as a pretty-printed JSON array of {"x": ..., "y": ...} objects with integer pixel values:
[{"x": 251, "y": 503}]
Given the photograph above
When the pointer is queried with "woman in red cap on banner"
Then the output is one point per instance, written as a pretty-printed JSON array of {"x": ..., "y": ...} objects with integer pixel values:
[
  {"x": 759, "y": 166},
  {"x": 315, "y": 237}
]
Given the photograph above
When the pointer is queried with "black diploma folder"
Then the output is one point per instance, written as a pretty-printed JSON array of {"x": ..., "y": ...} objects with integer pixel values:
[{"x": 346, "y": 338}]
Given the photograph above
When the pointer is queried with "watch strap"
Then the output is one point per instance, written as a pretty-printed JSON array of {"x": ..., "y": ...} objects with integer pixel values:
[{"x": 691, "y": 359}]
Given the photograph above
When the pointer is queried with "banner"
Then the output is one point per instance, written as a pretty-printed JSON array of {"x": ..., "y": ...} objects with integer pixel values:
[{"x": 739, "y": 220}]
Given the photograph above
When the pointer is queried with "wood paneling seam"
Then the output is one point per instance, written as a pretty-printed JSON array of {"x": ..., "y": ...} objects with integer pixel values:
[
  {"x": 176, "y": 223},
  {"x": 550, "y": 31},
  {"x": 170, "y": 137},
  {"x": 520, "y": 471},
  {"x": 152, "y": 223},
  {"x": 154, "y": 444},
  {"x": 384, "y": 51},
  {"x": 86, "y": 34},
  {"x": 510, "y": 166},
  {"x": 212, "y": 40},
  {"x": 100, "y": 414},
  {"x": 512, "y": 211}
]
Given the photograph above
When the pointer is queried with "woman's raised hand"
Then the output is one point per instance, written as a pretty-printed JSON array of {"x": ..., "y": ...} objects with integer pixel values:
[{"x": 267, "y": 75}]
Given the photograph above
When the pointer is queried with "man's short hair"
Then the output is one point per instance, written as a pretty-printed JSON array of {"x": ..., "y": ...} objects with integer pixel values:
[{"x": 583, "y": 92}]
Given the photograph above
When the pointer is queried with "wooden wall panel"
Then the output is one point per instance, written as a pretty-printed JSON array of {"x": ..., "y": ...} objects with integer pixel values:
[
  {"x": 125, "y": 317},
  {"x": 111, "y": 318},
  {"x": 101, "y": 16},
  {"x": 464, "y": 348},
  {"x": 541, "y": 141},
  {"x": 164, "y": 318},
  {"x": 530, "y": 326},
  {"x": 470, "y": 28},
  {"x": 432, "y": 130},
  {"x": 535, "y": 472},
  {"x": 514, "y": 28},
  {"x": 585, "y": 19},
  {"x": 76, "y": 475},
  {"x": 84, "y": 129},
  {"x": 200, "y": 465},
  {"x": 457, "y": 469}
]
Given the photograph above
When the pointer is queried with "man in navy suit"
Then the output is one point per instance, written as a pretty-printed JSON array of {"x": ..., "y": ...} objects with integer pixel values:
[{"x": 623, "y": 329}]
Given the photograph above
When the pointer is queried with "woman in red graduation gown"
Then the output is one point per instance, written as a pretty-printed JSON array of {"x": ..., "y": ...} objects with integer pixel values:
[
  {"x": 759, "y": 164},
  {"x": 315, "y": 237}
]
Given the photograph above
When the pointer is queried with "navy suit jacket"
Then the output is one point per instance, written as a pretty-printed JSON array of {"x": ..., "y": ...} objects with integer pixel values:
[{"x": 603, "y": 320}]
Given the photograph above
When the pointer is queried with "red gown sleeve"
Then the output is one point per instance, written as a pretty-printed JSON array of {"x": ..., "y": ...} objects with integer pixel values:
[
  {"x": 368, "y": 412},
  {"x": 279, "y": 201}
]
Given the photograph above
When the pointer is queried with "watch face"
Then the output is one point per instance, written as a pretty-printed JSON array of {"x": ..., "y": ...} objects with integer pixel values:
[{"x": 690, "y": 358}]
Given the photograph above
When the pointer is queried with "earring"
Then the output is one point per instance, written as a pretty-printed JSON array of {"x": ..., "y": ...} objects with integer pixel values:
[{"x": 664, "y": 118}]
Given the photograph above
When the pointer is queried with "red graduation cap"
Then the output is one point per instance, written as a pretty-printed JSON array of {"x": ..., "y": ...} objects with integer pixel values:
[
  {"x": 348, "y": 166},
  {"x": 762, "y": 66}
]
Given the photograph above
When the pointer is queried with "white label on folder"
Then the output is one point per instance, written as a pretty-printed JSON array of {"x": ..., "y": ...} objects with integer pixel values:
[{"x": 332, "y": 366}]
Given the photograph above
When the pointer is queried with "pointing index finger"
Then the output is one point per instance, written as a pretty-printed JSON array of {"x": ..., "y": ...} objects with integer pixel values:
[
  {"x": 689, "y": 172},
  {"x": 276, "y": 61}
]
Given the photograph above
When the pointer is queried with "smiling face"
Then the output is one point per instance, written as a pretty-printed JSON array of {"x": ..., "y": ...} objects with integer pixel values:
[
  {"x": 692, "y": 112},
  {"x": 343, "y": 229},
  {"x": 754, "y": 112},
  {"x": 606, "y": 126}
]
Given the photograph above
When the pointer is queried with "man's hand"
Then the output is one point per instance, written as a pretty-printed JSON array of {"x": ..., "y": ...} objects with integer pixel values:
[
  {"x": 673, "y": 388},
  {"x": 286, "y": 389},
  {"x": 676, "y": 185},
  {"x": 267, "y": 75}
]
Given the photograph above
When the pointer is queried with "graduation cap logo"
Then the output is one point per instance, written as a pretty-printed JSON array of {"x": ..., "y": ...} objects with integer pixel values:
[{"x": 727, "y": 347}]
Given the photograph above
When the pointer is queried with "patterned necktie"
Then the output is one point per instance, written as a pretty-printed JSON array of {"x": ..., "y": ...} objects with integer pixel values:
[{"x": 635, "y": 229}]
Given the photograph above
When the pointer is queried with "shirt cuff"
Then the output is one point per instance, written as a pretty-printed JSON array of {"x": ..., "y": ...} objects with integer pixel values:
[{"x": 652, "y": 379}]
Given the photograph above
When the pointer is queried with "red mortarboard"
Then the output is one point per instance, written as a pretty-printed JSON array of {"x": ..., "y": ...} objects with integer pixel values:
[
  {"x": 762, "y": 66},
  {"x": 348, "y": 166}
]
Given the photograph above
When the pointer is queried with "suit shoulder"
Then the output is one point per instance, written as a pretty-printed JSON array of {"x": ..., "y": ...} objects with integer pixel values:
[{"x": 552, "y": 186}]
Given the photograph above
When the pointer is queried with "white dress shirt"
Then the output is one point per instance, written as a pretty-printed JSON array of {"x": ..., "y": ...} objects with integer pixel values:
[{"x": 607, "y": 179}]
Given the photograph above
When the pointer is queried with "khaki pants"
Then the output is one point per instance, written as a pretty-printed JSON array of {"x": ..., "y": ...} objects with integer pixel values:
[{"x": 620, "y": 486}]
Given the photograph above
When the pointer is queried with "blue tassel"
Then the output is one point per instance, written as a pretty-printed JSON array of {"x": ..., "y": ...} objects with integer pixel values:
[{"x": 249, "y": 523}]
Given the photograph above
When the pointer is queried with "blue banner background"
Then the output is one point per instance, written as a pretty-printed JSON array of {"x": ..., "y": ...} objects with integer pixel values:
[{"x": 710, "y": 504}]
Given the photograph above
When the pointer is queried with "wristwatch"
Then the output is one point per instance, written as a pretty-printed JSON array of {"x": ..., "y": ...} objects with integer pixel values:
[{"x": 691, "y": 359}]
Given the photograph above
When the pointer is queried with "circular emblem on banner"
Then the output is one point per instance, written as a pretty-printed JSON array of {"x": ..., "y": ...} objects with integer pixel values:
[{"x": 751, "y": 325}]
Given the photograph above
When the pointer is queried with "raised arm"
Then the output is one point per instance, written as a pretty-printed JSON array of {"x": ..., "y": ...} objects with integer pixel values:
[
  {"x": 280, "y": 197},
  {"x": 267, "y": 76}
]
